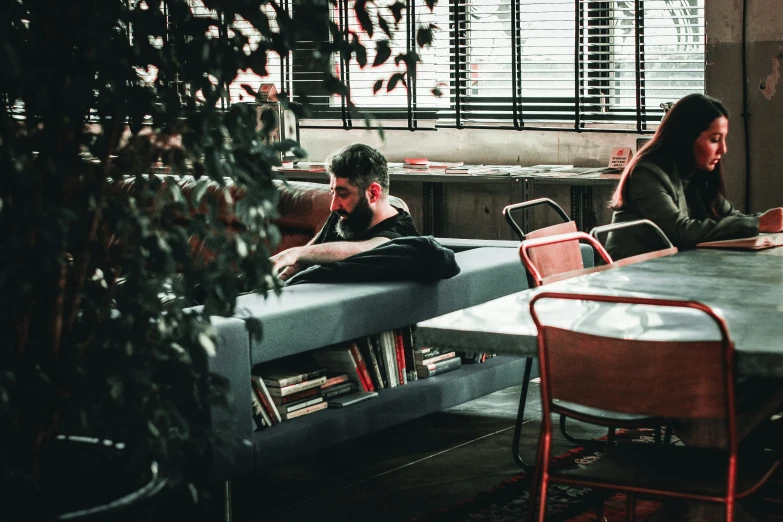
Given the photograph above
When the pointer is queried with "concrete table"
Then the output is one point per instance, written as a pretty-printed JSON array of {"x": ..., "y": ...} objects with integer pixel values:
[{"x": 745, "y": 288}]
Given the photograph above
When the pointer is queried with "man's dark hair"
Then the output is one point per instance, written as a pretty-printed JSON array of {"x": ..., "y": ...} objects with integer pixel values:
[{"x": 361, "y": 165}]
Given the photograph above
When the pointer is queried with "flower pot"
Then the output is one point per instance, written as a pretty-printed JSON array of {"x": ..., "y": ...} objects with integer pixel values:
[{"x": 95, "y": 479}]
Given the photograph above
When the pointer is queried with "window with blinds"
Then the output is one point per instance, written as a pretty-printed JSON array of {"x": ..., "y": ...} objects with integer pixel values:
[
  {"x": 381, "y": 88},
  {"x": 572, "y": 64},
  {"x": 537, "y": 64},
  {"x": 276, "y": 68}
]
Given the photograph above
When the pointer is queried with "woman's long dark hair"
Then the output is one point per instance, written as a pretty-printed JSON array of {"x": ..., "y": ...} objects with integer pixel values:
[{"x": 673, "y": 142}]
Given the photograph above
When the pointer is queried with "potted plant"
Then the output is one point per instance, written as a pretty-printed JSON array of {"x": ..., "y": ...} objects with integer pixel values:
[{"x": 99, "y": 342}]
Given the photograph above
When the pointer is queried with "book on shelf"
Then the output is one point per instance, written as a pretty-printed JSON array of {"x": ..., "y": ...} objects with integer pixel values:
[
  {"x": 470, "y": 357},
  {"x": 389, "y": 351},
  {"x": 298, "y": 396},
  {"x": 361, "y": 365},
  {"x": 338, "y": 389},
  {"x": 305, "y": 411},
  {"x": 260, "y": 416},
  {"x": 550, "y": 168},
  {"x": 399, "y": 349},
  {"x": 371, "y": 360},
  {"x": 428, "y": 355},
  {"x": 265, "y": 398},
  {"x": 301, "y": 167},
  {"x": 408, "y": 346},
  {"x": 760, "y": 242},
  {"x": 482, "y": 170},
  {"x": 295, "y": 388},
  {"x": 375, "y": 344},
  {"x": 436, "y": 368},
  {"x": 442, "y": 165},
  {"x": 279, "y": 378},
  {"x": 415, "y": 163},
  {"x": 348, "y": 400},
  {"x": 334, "y": 379},
  {"x": 339, "y": 359},
  {"x": 290, "y": 408}
]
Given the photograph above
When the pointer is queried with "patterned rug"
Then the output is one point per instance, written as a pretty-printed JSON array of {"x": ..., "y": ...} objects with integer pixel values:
[{"x": 507, "y": 501}]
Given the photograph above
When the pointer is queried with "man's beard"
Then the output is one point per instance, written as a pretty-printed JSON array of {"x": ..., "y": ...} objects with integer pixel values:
[{"x": 357, "y": 221}]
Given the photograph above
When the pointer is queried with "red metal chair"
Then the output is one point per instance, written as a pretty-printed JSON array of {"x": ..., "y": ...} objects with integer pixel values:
[
  {"x": 667, "y": 250},
  {"x": 566, "y": 226},
  {"x": 623, "y": 374},
  {"x": 548, "y": 259}
]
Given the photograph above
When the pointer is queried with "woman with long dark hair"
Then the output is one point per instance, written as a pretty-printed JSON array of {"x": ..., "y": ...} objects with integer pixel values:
[{"x": 676, "y": 181}]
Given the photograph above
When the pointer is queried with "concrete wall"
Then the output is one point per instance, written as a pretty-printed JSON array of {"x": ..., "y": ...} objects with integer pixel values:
[
  {"x": 723, "y": 79},
  {"x": 764, "y": 52}
]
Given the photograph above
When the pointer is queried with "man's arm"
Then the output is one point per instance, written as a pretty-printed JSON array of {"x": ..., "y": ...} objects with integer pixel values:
[{"x": 289, "y": 262}]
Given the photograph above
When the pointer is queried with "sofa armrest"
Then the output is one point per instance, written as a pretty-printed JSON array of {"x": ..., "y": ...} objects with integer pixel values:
[{"x": 232, "y": 422}]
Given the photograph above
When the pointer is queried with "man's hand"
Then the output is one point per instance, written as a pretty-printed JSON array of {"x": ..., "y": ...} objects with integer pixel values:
[
  {"x": 290, "y": 271},
  {"x": 286, "y": 263},
  {"x": 771, "y": 220}
]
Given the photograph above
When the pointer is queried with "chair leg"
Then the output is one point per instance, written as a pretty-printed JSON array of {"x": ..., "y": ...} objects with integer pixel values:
[
  {"x": 657, "y": 433},
  {"x": 610, "y": 438},
  {"x": 587, "y": 443},
  {"x": 667, "y": 435},
  {"x": 228, "y": 513},
  {"x": 534, "y": 483},
  {"x": 599, "y": 511},
  {"x": 547, "y": 437},
  {"x": 520, "y": 417},
  {"x": 630, "y": 507}
]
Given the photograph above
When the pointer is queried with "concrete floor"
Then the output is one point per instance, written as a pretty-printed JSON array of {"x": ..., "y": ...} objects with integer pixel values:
[{"x": 403, "y": 472}]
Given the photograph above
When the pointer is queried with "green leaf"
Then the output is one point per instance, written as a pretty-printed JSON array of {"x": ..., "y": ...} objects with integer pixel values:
[
  {"x": 360, "y": 8},
  {"x": 384, "y": 25},
  {"x": 382, "y": 52},
  {"x": 377, "y": 86},
  {"x": 396, "y": 10},
  {"x": 424, "y": 36},
  {"x": 395, "y": 78},
  {"x": 360, "y": 51},
  {"x": 437, "y": 92},
  {"x": 431, "y": 4}
]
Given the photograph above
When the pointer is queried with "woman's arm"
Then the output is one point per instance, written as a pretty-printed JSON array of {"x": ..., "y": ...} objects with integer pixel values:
[{"x": 653, "y": 194}]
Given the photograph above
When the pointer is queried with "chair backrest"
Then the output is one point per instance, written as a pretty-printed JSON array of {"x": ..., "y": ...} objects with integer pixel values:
[
  {"x": 662, "y": 378},
  {"x": 509, "y": 209},
  {"x": 555, "y": 257},
  {"x": 668, "y": 247}
]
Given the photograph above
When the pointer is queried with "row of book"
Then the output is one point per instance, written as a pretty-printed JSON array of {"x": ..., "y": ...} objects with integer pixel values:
[
  {"x": 278, "y": 397},
  {"x": 340, "y": 375}
]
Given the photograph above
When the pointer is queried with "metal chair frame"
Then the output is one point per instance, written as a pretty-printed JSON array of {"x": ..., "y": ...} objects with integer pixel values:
[
  {"x": 538, "y": 279},
  {"x": 508, "y": 209},
  {"x": 711, "y": 400},
  {"x": 668, "y": 248}
]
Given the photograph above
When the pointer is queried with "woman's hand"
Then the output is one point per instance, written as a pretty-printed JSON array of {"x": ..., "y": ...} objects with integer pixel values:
[{"x": 771, "y": 220}]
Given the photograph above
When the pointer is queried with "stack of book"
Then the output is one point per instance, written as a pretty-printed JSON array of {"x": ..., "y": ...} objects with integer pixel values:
[
  {"x": 283, "y": 395},
  {"x": 434, "y": 361},
  {"x": 416, "y": 163}
]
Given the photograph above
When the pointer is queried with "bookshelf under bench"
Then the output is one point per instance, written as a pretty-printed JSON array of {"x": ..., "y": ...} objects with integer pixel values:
[
  {"x": 393, "y": 406},
  {"x": 306, "y": 317}
]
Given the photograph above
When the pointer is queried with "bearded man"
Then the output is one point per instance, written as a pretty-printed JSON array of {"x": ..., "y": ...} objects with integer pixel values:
[{"x": 362, "y": 217}]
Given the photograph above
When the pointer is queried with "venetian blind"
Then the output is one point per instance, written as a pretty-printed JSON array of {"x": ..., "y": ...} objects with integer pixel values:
[
  {"x": 407, "y": 97},
  {"x": 576, "y": 64},
  {"x": 276, "y": 67}
]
